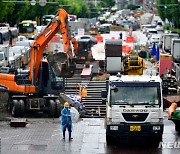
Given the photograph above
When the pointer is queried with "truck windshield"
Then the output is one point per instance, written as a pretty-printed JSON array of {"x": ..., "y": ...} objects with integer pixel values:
[{"x": 135, "y": 96}]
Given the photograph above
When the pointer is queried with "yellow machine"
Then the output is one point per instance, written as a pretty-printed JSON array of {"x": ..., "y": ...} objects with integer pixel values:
[{"x": 133, "y": 65}]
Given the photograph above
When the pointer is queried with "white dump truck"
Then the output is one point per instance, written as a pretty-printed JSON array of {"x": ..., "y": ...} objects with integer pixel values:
[
  {"x": 175, "y": 50},
  {"x": 167, "y": 40},
  {"x": 134, "y": 107}
]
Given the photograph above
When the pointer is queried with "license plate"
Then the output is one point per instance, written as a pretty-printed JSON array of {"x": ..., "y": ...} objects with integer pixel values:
[
  {"x": 113, "y": 127},
  {"x": 135, "y": 128}
]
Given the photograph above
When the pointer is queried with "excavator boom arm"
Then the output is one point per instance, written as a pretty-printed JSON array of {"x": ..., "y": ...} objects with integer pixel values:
[{"x": 59, "y": 22}]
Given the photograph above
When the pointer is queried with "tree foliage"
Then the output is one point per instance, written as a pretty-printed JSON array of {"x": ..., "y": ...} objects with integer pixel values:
[
  {"x": 13, "y": 14},
  {"x": 107, "y": 3},
  {"x": 131, "y": 7},
  {"x": 5, "y": 8},
  {"x": 170, "y": 12}
]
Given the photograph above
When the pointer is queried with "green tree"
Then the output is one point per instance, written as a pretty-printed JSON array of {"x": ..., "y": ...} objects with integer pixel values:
[
  {"x": 171, "y": 11},
  {"x": 93, "y": 10},
  {"x": 5, "y": 8},
  {"x": 79, "y": 8},
  {"x": 131, "y": 7},
  {"x": 161, "y": 10},
  {"x": 13, "y": 13},
  {"x": 107, "y": 3}
]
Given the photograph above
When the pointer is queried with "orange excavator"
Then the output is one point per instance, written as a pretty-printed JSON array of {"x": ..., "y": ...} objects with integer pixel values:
[{"x": 38, "y": 88}]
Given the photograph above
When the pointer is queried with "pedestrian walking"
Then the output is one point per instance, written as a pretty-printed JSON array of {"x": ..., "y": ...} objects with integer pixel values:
[
  {"x": 66, "y": 120},
  {"x": 120, "y": 35}
]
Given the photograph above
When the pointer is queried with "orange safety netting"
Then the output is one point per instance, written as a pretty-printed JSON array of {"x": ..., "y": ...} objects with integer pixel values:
[
  {"x": 126, "y": 49},
  {"x": 99, "y": 38},
  {"x": 130, "y": 39}
]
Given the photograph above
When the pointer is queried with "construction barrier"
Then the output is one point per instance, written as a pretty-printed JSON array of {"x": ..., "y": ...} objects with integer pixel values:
[
  {"x": 126, "y": 49},
  {"x": 165, "y": 66},
  {"x": 99, "y": 38},
  {"x": 130, "y": 39},
  {"x": 171, "y": 109}
]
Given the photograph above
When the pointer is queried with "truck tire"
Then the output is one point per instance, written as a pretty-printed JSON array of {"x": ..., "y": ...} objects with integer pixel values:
[
  {"x": 58, "y": 108},
  {"x": 155, "y": 141},
  {"x": 52, "y": 108},
  {"x": 177, "y": 128},
  {"x": 109, "y": 139},
  {"x": 15, "y": 108},
  {"x": 22, "y": 107}
]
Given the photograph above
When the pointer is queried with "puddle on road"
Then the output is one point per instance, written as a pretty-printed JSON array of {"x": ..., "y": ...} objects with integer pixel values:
[{"x": 28, "y": 147}]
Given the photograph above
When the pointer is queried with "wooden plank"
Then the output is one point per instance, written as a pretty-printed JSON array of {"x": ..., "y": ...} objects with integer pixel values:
[
  {"x": 86, "y": 72},
  {"x": 18, "y": 122}
]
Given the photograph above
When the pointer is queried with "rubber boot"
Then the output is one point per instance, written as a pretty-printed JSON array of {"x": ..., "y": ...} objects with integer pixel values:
[
  {"x": 64, "y": 134},
  {"x": 70, "y": 138}
]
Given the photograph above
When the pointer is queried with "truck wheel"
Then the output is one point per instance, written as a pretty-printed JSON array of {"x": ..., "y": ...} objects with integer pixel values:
[
  {"x": 58, "y": 108},
  {"x": 15, "y": 108},
  {"x": 177, "y": 128},
  {"x": 52, "y": 108},
  {"x": 155, "y": 141},
  {"x": 22, "y": 108},
  {"x": 109, "y": 140}
]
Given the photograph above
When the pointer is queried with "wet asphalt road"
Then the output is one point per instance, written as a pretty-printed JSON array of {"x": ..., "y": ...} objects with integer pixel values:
[{"x": 43, "y": 135}]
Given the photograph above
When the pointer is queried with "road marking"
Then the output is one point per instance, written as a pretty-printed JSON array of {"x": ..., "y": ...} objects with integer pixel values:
[
  {"x": 9, "y": 137},
  {"x": 21, "y": 142}
]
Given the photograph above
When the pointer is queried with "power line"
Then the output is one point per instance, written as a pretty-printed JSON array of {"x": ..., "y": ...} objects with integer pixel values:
[{"x": 34, "y": 3}]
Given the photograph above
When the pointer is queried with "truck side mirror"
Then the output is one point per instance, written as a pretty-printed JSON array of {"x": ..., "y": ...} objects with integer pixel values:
[{"x": 103, "y": 93}]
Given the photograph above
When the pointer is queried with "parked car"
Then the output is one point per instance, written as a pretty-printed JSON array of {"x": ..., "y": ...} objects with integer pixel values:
[
  {"x": 150, "y": 32},
  {"x": 15, "y": 53},
  {"x": 40, "y": 29},
  {"x": 159, "y": 28},
  {"x": 104, "y": 28},
  {"x": 156, "y": 38}
]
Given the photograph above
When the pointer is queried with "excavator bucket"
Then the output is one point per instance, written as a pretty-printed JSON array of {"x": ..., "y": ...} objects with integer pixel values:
[{"x": 61, "y": 65}]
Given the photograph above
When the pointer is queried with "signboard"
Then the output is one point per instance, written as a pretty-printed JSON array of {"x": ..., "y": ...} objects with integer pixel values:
[
  {"x": 42, "y": 2},
  {"x": 33, "y": 2},
  {"x": 80, "y": 31}
]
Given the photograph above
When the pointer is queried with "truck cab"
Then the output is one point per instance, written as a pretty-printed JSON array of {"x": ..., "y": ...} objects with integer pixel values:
[
  {"x": 4, "y": 55},
  {"x": 134, "y": 107}
]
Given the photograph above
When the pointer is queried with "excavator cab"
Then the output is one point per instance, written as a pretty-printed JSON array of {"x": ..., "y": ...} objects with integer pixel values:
[
  {"x": 84, "y": 47},
  {"x": 48, "y": 82}
]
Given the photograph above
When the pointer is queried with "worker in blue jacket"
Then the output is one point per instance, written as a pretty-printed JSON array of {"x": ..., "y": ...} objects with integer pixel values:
[{"x": 66, "y": 121}]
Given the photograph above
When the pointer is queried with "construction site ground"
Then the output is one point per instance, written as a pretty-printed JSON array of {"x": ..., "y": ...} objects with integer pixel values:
[{"x": 44, "y": 136}]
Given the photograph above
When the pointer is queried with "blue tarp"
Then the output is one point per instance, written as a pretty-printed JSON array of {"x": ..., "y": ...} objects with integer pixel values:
[
  {"x": 157, "y": 54},
  {"x": 77, "y": 104},
  {"x": 153, "y": 50}
]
